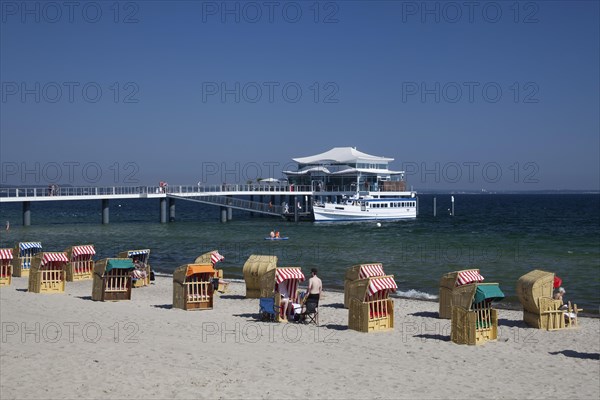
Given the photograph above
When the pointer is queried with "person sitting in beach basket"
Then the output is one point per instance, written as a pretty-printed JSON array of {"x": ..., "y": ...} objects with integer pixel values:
[
  {"x": 569, "y": 314},
  {"x": 285, "y": 302},
  {"x": 142, "y": 272},
  {"x": 281, "y": 284},
  {"x": 540, "y": 308},
  {"x": 139, "y": 271}
]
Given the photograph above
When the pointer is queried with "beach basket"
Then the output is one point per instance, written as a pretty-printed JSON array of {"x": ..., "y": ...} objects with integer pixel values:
[
  {"x": 22, "y": 256},
  {"x": 474, "y": 321},
  {"x": 360, "y": 271},
  {"x": 6, "y": 257},
  {"x": 453, "y": 280},
  {"x": 254, "y": 268},
  {"x": 48, "y": 272},
  {"x": 213, "y": 257},
  {"x": 112, "y": 279},
  {"x": 143, "y": 255},
  {"x": 370, "y": 307},
  {"x": 289, "y": 276},
  {"x": 81, "y": 264},
  {"x": 540, "y": 310},
  {"x": 193, "y": 287}
]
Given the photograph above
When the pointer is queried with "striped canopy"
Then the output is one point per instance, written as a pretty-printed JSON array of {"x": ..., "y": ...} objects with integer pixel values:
[
  {"x": 50, "y": 257},
  {"x": 470, "y": 276},
  {"x": 6, "y": 254},
  {"x": 137, "y": 252},
  {"x": 369, "y": 270},
  {"x": 282, "y": 274},
  {"x": 215, "y": 257},
  {"x": 81, "y": 250},
  {"x": 379, "y": 283},
  {"x": 30, "y": 245}
]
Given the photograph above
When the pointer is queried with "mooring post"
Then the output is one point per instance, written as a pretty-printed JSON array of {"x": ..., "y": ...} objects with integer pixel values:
[
  {"x": 105, "y": 211},
  {"x": 163, "y": 210},
  {"x": 171, "y": 209},
  {"x": 452, "y": 199},
  {"x": 434, "y": 206},
  {"x": 26, "y": 213}
]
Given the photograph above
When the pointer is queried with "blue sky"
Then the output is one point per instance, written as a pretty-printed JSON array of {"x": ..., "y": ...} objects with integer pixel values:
[{"x": 464, "y": 95}]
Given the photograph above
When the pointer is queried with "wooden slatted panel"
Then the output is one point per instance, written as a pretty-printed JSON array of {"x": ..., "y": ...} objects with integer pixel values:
[
  {"x": 116, "y": 280},
  {"x": 378, "y": 305},
  {"x": 197, "y": 291},
  {"x": 51, "y": 279},
  {"x": 83, "y": 266},
  {"x": 5, "y": 269},
  {"x": 483, "y": 313}
]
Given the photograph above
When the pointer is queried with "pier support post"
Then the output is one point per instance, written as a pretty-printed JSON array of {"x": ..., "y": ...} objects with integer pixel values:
[
  {"x": 223, "y": 214},
  {"x": 171, "y": 209},
  {"x": 434, "y": 206},
  {"x": 251, "y": 201},
  {"x": 163, "y": 210},
  {"x": 26, "y": 213},
  {"x": 296, "y": 209},
  {"x": 229, "y": 210},
  {"x": 105, "y": 211}
]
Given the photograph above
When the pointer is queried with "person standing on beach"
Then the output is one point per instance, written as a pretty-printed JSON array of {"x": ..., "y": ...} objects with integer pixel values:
[{"x": 315, "y": 286}]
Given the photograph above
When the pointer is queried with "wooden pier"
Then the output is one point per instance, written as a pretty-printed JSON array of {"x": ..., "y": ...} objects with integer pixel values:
[{"x": 285, "y": 201}]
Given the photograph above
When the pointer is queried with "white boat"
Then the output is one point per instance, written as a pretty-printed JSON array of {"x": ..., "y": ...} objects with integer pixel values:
[
  {"x": 369, "y": 206},
  {"x": 377, "y": 192}
]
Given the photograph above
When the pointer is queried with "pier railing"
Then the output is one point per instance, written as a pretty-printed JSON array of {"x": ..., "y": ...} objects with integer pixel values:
[{"x": 135, "y": 191}]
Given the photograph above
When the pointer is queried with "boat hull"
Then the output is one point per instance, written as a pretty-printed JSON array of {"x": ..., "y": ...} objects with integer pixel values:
[{"x": 354, "y": 213}]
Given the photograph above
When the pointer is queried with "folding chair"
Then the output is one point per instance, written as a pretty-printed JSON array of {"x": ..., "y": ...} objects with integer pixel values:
[
  {"x": 266, "y": 309},
  {"x": 311, "y": 312}
]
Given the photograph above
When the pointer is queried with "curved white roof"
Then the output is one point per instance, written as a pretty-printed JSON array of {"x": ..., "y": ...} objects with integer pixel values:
[{"x": 341, "y": 155}]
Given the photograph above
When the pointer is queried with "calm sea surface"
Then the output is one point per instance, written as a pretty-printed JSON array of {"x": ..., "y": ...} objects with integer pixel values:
[{"x": 504, "y": 236}]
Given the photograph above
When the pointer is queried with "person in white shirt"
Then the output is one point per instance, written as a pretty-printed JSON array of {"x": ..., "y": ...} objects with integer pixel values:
[{"x": 285, "y": 299}]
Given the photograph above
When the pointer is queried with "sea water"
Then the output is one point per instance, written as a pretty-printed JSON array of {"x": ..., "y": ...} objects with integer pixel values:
[{"x": 503, "y": 235}]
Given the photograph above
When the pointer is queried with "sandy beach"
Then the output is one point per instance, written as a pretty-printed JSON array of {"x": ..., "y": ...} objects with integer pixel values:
[{"x": 68, "y": 346}]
